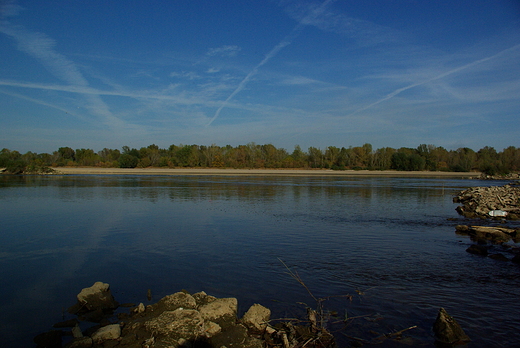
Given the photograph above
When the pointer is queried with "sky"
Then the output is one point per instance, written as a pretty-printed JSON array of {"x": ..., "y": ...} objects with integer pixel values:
[{"x": 397, "y": 73}]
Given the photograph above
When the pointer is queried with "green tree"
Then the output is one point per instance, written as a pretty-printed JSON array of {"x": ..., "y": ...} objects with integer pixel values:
[{"x": 127, "y": 160}]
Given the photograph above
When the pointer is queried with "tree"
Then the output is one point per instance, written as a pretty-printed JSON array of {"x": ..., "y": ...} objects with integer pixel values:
[
  {"x": 127, "y": 160},
  {"x": 66, "y": 155}
]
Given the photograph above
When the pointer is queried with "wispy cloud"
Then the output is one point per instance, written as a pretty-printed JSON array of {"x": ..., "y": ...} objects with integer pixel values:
[
  {"x": 365, "y": 32},
  {"x": 42, "y": 48},
  {"x": 437, "y": 77},
  {"x": 224, "y": 51},
  {"x": 285, "y": 42}
]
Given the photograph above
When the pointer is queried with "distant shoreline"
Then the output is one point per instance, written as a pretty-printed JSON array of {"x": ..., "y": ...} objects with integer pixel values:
[{"x": 256, "y": 172}]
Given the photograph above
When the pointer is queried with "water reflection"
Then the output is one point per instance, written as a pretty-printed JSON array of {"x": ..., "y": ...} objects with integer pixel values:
[{"x": 389, "y": 237}]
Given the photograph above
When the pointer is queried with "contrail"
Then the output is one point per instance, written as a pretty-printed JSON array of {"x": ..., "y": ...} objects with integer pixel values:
[
  {"x": 285, "y": 42},
  {"x": 438, "y": 77}
]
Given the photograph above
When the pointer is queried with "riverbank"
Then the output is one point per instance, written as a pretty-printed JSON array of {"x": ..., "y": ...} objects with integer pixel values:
[{"x": 256, "y": 172}]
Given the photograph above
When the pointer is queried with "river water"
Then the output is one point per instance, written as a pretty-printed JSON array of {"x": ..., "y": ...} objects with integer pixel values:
[{"x": 388, "y": 242}]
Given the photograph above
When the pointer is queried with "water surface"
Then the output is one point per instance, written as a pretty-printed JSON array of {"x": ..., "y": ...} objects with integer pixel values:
[{"x": 388, "y": 239}]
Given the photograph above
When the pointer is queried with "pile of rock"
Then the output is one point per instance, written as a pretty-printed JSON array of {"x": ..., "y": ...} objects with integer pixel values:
[
  {"x": 177, "y": 320},
  {"x": 497, "y": 236},
  {"x": 496, "y": 202}
]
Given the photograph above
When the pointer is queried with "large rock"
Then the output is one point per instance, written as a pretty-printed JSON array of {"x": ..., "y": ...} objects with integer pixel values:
[
  {"x": 106, "y": 333},
  {"x": 96, "y": 297},
  {"x": 497, "y": 235},
  {"x": 222, "y": 311},
  {"x": 177, "y": 300},
  {"x": 477, "y": 250},
  {"x": 180, "y": 323},
  {"x": 256, "y": 318},
  {"x": 447, "y": 330}
]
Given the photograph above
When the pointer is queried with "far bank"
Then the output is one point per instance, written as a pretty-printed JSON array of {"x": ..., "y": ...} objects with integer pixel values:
[{"x": 257, "y": 172}]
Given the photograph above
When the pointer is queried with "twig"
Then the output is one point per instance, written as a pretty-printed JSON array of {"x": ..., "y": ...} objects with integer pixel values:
[{"x": 296, "y": 276}]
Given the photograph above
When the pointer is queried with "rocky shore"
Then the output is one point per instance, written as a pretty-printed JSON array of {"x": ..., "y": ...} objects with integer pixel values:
[
  {"x": 184, "y": 320},
  {"x": 496, "y": 202},
  {"x": 177, "y": 320}
]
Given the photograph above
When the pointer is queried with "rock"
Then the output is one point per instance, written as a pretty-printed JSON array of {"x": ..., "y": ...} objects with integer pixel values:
[
  {"x": 497, "y": 235},
  {"x": 140, "y": 308},
  {"x": 83, "y": 342},
  {"x": 177, "y": 300},
  {"x": 222, "y": 311},
  {"x": 211, "y": 329},
  {"x": 498, "y": 257},
  {"x": 202, "y": 298},
  {"x": 235, "y": 336},
  {"x": 256, "y": 318},
  {"x": 447, "y": 330},
  {"x": 497, "y": 202},
  {"x": 76, "y": 332},
  {"x": 180, "y": 323},
  {"x": 109, "y": 332},
  {"x": 96, "y": 297},
  {"x": 477, "y": 250}
]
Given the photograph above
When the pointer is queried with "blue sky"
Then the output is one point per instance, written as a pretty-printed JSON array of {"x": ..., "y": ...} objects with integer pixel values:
[{"x": 96, "y": 74}]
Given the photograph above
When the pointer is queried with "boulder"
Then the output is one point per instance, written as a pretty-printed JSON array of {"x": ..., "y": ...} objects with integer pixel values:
[
  {"x": 83, "y": 342},
  {"x": 177, "y": 300},
  {"x": 477, "y": 250},
  {"x": 256, "y": 318},
  {"x": 447, "y": 330},
  {"x": 498, "y": 257},
  {"x": 96, "y": 297},
  {"x": 180, "y": 323},
  {"x": 496, "y": 235},
  {"x": 106, "y": 333},
  {"x": 222, "y": 311}
]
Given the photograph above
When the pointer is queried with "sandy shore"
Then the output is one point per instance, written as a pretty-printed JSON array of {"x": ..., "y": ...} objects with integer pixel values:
[{"x": 256, "y": 172}]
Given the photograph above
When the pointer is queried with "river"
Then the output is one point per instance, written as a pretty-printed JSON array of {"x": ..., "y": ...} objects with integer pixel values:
[{"x": 387, "y": 242}]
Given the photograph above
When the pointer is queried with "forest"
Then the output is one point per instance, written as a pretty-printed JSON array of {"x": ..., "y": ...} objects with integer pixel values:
[{"x": 424, "y": 157}]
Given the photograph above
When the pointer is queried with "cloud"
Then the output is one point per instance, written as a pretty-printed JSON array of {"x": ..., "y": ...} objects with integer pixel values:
[
  {"x": 9, "y": 9},
  {"x": 224, "y": 51},
  {"x": 365, "y": 32},
  {"x": 42, "y": 48},
  {"x": 285, "y": 42},
  {"x": 437, "y": 77}
]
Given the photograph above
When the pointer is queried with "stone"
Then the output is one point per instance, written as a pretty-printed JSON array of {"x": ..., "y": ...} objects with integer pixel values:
[
  {"x": 211, "y": 329},
  {"x": 256, "y": 318},
  {"x": 76, "y": 332},
  {"x": 83, "y": 342},
  {"x": 222, "y": 311},
  {"x": 180, "y": 323},
  {"x": 496, "y": 202},
  {"x": 202, "y": 298},
  {"x": 96, "y": 297},
  {"x": 447, "y": 330},
  {"x": 177, "y": 300},
  {"x": 477, "y": 250},
  {"x": 109, "y": 332},
  {"x": 498, "y": 257}
]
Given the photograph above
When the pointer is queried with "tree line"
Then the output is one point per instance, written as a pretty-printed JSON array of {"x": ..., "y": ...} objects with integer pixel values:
[{"x": 424, "y": 157}]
